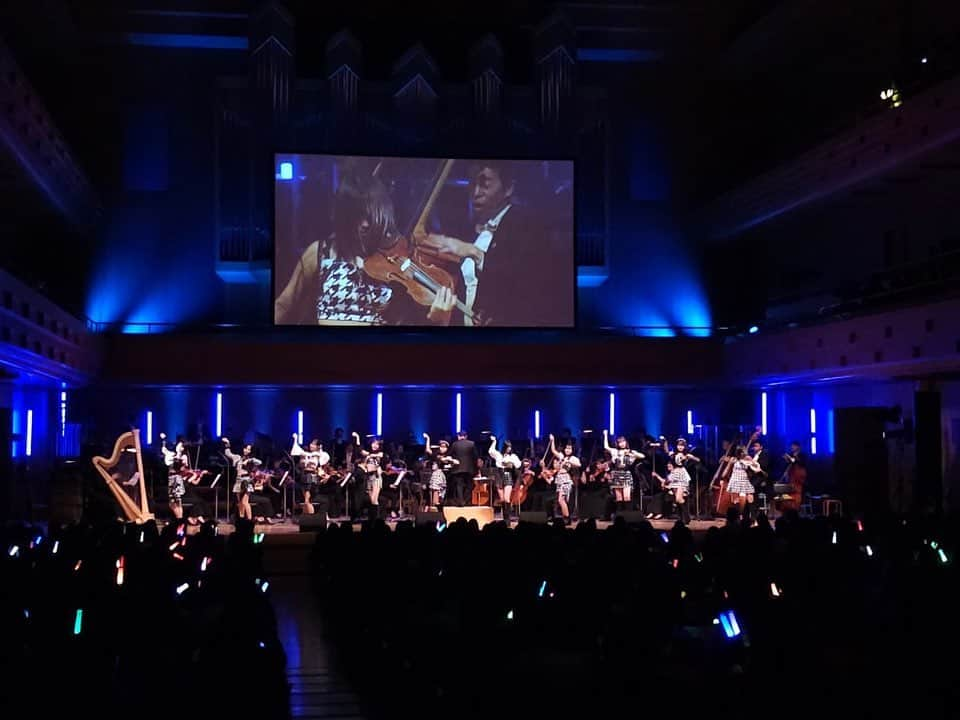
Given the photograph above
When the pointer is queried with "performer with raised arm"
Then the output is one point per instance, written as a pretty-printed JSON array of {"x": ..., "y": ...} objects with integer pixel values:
[
  {"x": 245, "y": 464},
  {"x": 440, "y": 463},
  {"x": 564, "y": 462},
  {"x": 313, "y": 461},
  {"x": 372, "y": 461},
  {"x": 622, "y": 460},
  {"x": 507, "y": 465}
]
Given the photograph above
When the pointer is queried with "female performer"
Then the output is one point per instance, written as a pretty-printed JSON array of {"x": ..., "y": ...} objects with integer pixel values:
[
  {"x": 373, "y": 467},
  {"x": 440, "y": 464},
  {"x": 314, "y": 461},
  {"x": 676, "y": 485},
  {"x": 507, "y": 464},
  {"x": 245, "y": 464},
  {"x": 328, "y": 286},
  {"x": 176, "y": 488},
  {"x": 740, "y": 486},
  {"x": 622, "y": 460},
  {"x": 564, "y": 463}
]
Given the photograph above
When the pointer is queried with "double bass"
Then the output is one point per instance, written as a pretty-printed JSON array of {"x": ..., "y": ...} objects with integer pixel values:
[
  {"x": 722, "y": 476},
  {"x": 522, "y": 489}
]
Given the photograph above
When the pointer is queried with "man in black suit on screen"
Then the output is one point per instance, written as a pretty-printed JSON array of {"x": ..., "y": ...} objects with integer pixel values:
[
  {"x": 513, "y": 270},
  {"x": 465, "y": 452}
]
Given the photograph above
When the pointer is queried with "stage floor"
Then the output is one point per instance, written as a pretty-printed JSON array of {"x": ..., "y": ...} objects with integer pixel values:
[{"x": 292, "y": 527}]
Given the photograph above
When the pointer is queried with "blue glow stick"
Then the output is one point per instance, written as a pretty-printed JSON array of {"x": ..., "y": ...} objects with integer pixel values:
[
  {"x": 943, "y": 556},
  {"x": 543, "y": 588},
  {"x": 78, "y": 622}
]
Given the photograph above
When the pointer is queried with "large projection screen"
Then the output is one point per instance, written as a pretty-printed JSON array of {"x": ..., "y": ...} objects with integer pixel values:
[{"x": 423, "y": 242}]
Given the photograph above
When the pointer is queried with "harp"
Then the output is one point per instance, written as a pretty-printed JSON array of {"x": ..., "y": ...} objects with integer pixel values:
[{"x": 123, "y": 473}]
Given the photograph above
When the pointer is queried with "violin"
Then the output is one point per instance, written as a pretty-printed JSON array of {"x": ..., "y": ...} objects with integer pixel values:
[
  {"x": 421, "y": 280},
  {"x": 409, "y": 265}
]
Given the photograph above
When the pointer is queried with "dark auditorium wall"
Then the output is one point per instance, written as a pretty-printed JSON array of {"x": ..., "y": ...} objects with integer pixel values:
[{"x": 156, "y": 258}]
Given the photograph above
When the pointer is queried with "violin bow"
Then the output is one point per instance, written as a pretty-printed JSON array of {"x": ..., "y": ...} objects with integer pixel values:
[{"x": 421, "y": 224}]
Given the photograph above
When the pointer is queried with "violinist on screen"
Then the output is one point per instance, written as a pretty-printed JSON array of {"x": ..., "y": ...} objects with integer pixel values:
[
  {"x": 328, "y": 285},
  {"x": 509, "y": 269}
]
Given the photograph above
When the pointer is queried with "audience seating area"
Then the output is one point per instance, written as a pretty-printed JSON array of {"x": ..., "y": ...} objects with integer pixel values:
[
  {"x": 827, "y": 616},
  {"x": 122, "y": 620}
]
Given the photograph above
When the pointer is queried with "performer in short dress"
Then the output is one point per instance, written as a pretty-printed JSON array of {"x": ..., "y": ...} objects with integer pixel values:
[
  {"x": 314, "y": 460},
  {"x": 245, "y": 464},
  {"x": 440, "y": 463},
  {"x": 622, "y": 460},
  {"x": 176, "y": 488},
  {"x": 676, "y": 486},
  {"x": 740, "y": 486},
  {"x": 373, "y": 467},
  {"x": 507, "y": 465},
  {"x": 565, "y": 461}
]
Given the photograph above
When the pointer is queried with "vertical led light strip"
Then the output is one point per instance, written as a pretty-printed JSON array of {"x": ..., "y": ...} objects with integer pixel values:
[
  {"x": 219, "y": 415},
  {"x": 813, "y": 431},
  {"x": 380, "y": 414},
  {"x": 458, "y": 412},
  {"x": 613, "y": 408},
  {"x": 300, "y": 427},
  {"x": 830, "y": 431},
  {"x": 689, "y": 422},
  {"x": 29, "y": 450},
  {"x": 763, "y": 413},
  {"x": 149, "y": 427},
  {"x": 536, "y": 424},
  {"x": 63, "y": 413}
]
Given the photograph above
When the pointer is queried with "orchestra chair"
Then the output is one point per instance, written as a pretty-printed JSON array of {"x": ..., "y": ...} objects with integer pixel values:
[
  {"x": 831, "y": 505},
  {"x": 762, "y": 505}
]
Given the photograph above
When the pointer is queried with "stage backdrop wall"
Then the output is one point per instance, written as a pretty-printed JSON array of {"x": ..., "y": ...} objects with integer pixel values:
[{"x": 508, "y": 412}]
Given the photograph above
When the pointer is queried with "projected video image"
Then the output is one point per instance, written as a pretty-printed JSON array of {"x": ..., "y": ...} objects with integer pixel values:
[{"x": 368, "y": 241}]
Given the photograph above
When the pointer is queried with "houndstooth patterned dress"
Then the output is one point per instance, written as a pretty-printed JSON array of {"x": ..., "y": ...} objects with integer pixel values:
[
  {"x": 347, "y": 295},
  {"x": 739, "y": 480}
]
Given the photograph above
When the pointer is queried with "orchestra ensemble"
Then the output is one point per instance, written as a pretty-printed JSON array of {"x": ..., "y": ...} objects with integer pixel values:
[{"x": 360, "y": 478}]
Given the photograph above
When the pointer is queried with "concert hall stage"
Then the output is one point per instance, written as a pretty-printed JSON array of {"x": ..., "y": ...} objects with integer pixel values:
[{"x": 292, "y": 527}]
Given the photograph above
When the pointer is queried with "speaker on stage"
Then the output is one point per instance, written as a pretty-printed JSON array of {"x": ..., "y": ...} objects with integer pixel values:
[
  {"x": 632, "y": 517},
  {"x": 313, "y": 523},
  {"x": 534, "y": 517},
  {"x": 928, "y": 483},
  {"x": 860, "y": 459},
  {"x": 428, "y": 518}
]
